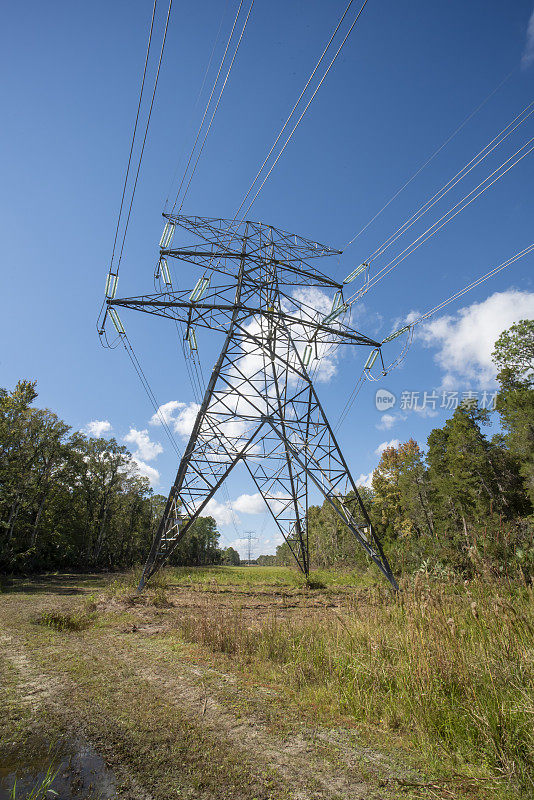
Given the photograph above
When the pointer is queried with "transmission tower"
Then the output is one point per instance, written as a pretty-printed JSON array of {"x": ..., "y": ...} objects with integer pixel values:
[
  {"x": 249, "y": 538},
  {"x": 260, "y": 407}
]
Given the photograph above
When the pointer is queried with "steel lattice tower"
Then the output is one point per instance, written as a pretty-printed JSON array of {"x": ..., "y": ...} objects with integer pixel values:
[{"x": 260, "y": 407}]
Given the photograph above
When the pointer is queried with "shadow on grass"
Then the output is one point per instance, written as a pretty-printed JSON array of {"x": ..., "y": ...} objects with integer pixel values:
[{"x": 60, "y": 584}]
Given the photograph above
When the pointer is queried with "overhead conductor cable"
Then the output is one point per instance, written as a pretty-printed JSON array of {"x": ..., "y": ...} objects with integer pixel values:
[{"x": 306, "y": 108}]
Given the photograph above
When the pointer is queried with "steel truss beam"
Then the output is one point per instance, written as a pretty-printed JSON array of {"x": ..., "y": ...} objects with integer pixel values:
[{"x": 260, "y": 407}]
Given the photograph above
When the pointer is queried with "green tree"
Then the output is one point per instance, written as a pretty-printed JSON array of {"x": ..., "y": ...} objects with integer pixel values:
[
  {"x": 199, "y": 547},
  {"x": 401, "y": 491},
  {"x": 66, "y": 501},
  {"x": 514, "y": 357},
  {"x": 230, "y": 557}
]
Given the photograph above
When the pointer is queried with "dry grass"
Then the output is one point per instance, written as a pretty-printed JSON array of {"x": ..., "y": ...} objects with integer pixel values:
[{"x": 449, "y": 670}]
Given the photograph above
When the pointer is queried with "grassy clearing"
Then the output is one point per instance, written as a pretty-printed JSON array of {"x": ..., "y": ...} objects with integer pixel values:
[
  {"x": 214, "y": 577},
  {"x": 448, "y": 671},
  {"x": 254, "y": 577},
  {"x": 220, "y": 578}
]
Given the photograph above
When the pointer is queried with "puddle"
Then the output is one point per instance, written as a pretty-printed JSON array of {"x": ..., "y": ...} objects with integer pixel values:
[{"x": 82, "y": 774}]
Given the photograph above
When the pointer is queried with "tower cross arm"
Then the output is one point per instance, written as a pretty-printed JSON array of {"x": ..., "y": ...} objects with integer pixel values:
[
  {"x": 157, "y": 305},
  {"x": 288, "y": 272}
]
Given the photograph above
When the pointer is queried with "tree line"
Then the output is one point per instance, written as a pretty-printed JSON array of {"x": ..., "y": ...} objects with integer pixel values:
[
  {"x": 466, "y": 504},
  {"x": 75, "y": 502}
]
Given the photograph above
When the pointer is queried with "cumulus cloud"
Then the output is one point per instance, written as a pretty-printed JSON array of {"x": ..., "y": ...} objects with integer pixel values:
[
  {"x": 146, "y": 449},
  {"x": 166, "y": 413},
  {"x": 365, "y": 480},
  {"x": 222, "y": 513},
  {"x": 528, "y": 53},
  {"x": 324, "y": 357},
  {"x": 425, "y": 411},
  {"x": 249, "y": 504},
  {"x": 385, "y": 445},
  {"x": 387, "y": 421},
  {"x": 225, "y": 513},
  {"x": 240, "y": 403},
  {"x": 179, "y": 416},
  {"x": 184, "y": 422},
  {"x": 145, "y": 470},
  {"x": 97, "y": 427},
  {"x": 241, "y": 545},
  {"x": 466, "y": 339}
]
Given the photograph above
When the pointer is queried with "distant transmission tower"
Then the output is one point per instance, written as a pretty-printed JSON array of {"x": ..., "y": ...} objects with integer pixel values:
[
  {"x": 259, "y": 288},
  {"x": 249, "y": 538}
]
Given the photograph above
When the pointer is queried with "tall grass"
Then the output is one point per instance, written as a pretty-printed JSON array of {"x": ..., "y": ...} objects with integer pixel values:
[{"x": 448, "y": 669}]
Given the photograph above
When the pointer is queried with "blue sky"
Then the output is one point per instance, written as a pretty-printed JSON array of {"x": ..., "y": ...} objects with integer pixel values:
[{"x": 407, "y": 77}]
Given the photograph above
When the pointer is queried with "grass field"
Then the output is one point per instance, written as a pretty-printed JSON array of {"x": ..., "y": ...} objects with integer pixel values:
[{"x": 242, "y": 682}]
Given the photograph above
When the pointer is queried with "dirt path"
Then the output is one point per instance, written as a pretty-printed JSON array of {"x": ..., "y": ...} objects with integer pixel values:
[{"x": 166, "y": 721}]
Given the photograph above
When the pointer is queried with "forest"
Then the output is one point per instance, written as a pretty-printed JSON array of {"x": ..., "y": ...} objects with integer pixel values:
[
  {"x": 464, "y": 506},
  {"x": 73, "y": 502}
]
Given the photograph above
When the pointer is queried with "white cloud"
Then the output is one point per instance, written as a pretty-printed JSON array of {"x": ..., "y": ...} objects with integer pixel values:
[
  {"x": 234, "y": 414},
  {"x": 315, "y": 304},
  {"x": 165, "y": 413},
  {"x": 466, "y": 340},
  {"x": 249, "y": 504},
  {"x": 146, "y": 471},
  {"x": 400, "y": 322},
  {"x": 147, "y": 450},
  {"x": 182, "y": 422},
  {"x": 384, "y": 446},
  {"x": 528, "y": 53},
  {"x": 387, "y": 421},
  {"x": 365, "y": 480},
  {"x": 221, "y": 512},
  {"x": 97, "y": 427}
]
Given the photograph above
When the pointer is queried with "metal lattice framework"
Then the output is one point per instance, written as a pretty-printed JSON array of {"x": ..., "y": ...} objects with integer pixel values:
[{"x": 260, "y": 407}]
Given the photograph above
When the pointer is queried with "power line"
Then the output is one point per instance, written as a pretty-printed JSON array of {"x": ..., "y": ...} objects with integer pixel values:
[
  {"x": 148, "y": 389},
  {"x": 146, "y": 132},
  {"x": 449, "y": 215},
  {"x": 207, "y": 104},
  {"x": 199, "y": 95},
  {"x": 294, "y": 108},
  {"x": 306, "y": 108},
  {"x": 123, "y": 337},
  {"x": 286, "y": 123},
  {"x": 216, "y": 107},
  {"x": 134, "y": 130},
  {"x": 444, "y": 220},
  {"x": 490, "y": 274},
  {"x": 521, "y": 254},
  {"x": 433, "y": 156},
  {"x": 459, "y": 176}
]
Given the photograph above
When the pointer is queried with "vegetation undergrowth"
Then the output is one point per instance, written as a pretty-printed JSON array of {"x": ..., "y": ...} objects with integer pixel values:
[
  {"x": 446, "y": 668},
  {"x": 66, "y": 621}
]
